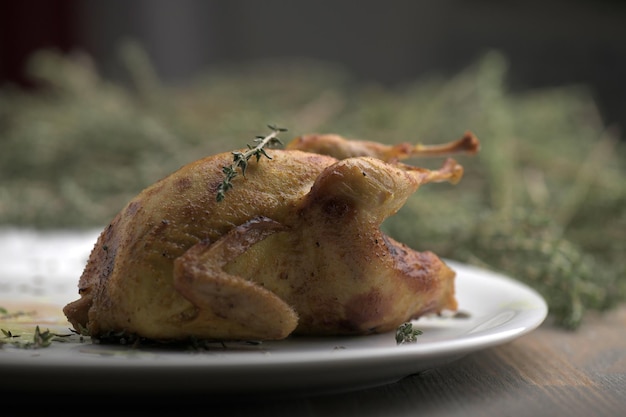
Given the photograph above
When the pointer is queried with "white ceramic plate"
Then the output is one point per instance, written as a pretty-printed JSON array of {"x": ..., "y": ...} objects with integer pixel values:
[{"x": 39, "y": 273}]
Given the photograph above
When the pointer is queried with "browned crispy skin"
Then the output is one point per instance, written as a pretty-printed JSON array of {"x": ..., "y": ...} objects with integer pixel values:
[{"x": 295, "y": 247}]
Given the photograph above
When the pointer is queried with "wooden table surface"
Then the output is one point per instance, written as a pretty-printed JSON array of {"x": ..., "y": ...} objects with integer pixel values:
[{"x": 548, "y": 372}]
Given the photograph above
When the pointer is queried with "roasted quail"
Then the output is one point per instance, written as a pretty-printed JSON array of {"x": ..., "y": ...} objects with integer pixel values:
[{"x": 294, "y": 248}]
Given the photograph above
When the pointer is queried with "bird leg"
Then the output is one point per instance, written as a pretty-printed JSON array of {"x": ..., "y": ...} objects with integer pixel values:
[{"x": 341, "y": 148}]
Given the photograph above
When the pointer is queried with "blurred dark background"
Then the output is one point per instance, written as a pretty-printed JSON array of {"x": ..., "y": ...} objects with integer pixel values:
[{"x": 548, "y": 43}]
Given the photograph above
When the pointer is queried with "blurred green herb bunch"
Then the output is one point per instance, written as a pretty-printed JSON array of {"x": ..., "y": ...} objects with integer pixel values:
[{"x": 544, "y": 200}]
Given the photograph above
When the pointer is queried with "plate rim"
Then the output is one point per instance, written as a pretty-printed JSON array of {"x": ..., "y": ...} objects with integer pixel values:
[{"x": 400, "y": 360}]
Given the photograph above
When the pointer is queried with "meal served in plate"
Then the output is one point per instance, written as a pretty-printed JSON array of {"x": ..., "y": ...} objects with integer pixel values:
[{"x": 259, "y": 245}]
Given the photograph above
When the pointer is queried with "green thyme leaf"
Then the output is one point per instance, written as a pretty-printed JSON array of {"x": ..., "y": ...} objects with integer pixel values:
[{"x": 405, "y": 333}]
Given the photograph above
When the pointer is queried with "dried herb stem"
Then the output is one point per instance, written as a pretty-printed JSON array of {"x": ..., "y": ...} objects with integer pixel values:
[{"x": 240, "y": 159}]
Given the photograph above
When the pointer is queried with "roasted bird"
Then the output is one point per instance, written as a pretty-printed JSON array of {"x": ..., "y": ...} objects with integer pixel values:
[{"x": 295, "y": 248}]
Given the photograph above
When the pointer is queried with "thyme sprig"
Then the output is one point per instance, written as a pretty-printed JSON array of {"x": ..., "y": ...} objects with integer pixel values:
[
  {"x": 405, "y": 333},
  {"x": 41, "y": 339},
  {"x": 240, "y": 159}
]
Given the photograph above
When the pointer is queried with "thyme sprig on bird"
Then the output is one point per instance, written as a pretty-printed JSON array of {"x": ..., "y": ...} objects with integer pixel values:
[{"x": 240, "y": 159}]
